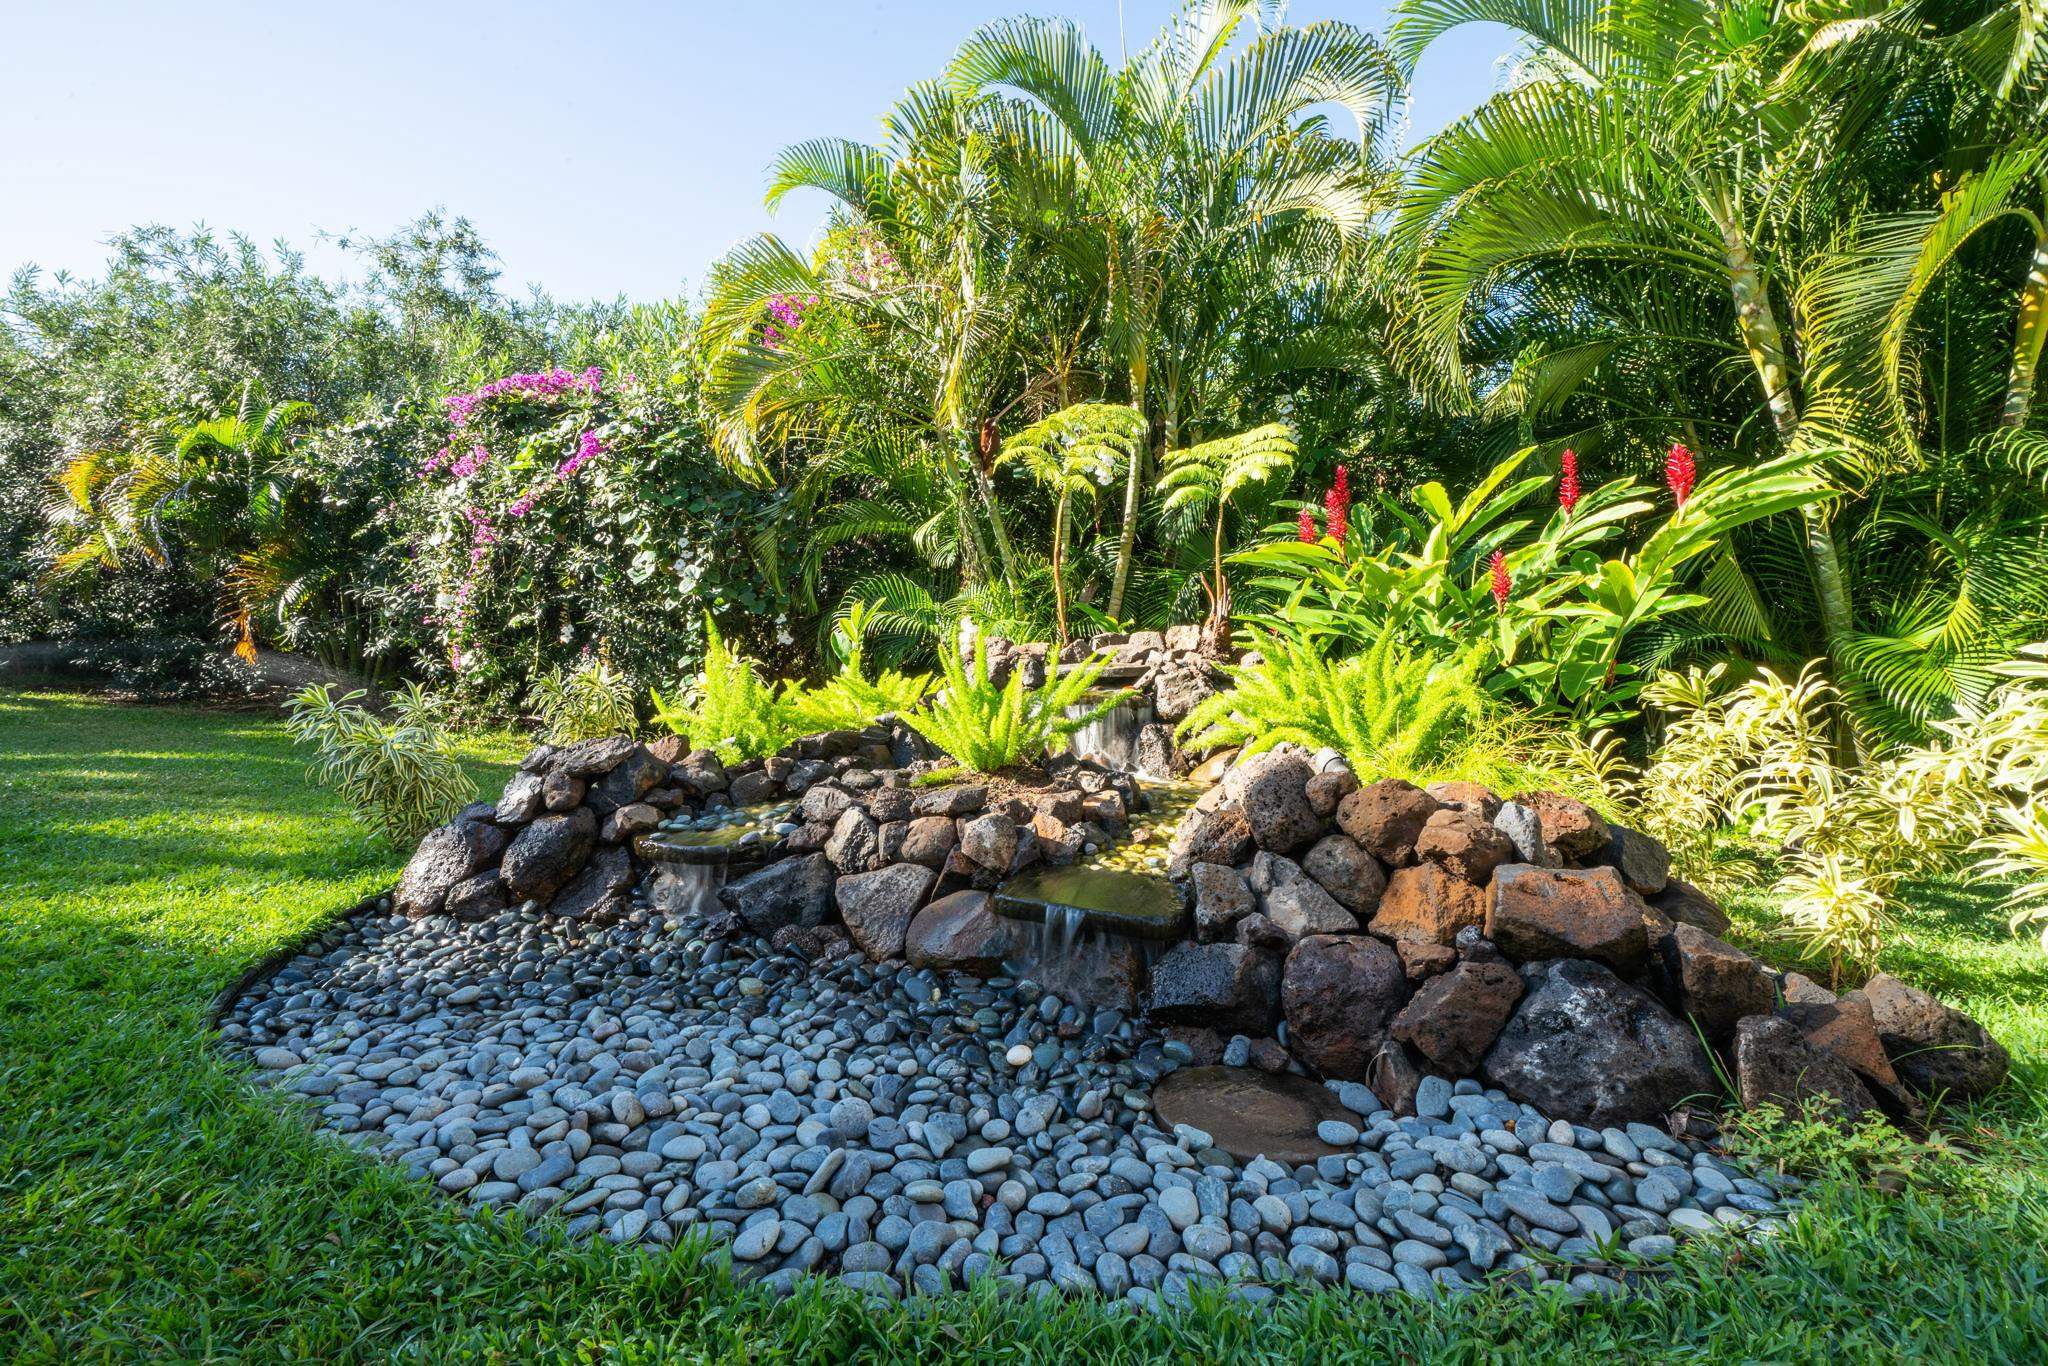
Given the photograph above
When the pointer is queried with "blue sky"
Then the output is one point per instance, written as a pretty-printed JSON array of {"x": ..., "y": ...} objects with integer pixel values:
[{"x": 605, "y": 149}]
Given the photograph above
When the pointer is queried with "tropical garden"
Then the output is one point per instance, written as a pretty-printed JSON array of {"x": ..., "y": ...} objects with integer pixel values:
[{"x": 1662, "y": 431}]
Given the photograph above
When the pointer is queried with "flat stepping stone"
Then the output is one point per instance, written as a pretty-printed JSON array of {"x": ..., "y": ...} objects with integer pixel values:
[
  {"x": 1103, "y": 900},
  {"x": 1249, "y": 1113}
]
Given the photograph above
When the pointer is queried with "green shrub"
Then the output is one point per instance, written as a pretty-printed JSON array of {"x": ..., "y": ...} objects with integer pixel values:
[
  {"x": 589, "y": 701},
  {"x": 988, "y": 729},
  {"x": 401, "y": 776},
  {"x": 1392, "y": 711},
  {"x": 849, "y": 700},
  {"x": 731, "y": 709}
]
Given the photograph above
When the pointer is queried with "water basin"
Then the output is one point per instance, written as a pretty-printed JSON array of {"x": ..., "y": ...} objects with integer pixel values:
[
  {"x": 1249, "y": 1113},
  {"x": 1102, "y": 900}
]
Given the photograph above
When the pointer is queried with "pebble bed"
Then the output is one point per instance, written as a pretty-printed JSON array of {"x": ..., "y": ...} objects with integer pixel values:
[{"x": 910, "y": 1131}]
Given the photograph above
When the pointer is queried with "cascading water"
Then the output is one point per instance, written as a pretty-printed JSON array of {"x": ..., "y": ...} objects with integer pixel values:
[{"x": 1111, "y": 739}]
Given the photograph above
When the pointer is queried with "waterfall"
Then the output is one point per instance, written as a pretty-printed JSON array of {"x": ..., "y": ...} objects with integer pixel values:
[{"x": 1112, "y": 739}]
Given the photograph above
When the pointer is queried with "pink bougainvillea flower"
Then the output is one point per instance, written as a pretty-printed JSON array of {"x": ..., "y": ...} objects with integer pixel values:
[
  {"x": 1568, "y": 482},
  {"x": 1337, "y": 506},
  {"x": 1497, "y": 570},
  {"x": 1679, "y": 473},
  {"x": 588, "y": 448}
]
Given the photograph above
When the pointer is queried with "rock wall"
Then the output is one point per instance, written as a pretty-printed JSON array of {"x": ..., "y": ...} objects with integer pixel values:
[{"x": 1382, "y": 931}]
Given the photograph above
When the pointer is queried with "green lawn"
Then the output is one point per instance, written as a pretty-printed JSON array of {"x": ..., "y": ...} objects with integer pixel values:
[{"x": 154, "y": 1206}]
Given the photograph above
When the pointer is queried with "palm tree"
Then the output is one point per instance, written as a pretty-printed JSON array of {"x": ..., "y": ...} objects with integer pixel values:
[
  {"x": 1190, "y": 165},
  {"x": 1652, "y": 141},
  {"x": 218, "y": 491}
]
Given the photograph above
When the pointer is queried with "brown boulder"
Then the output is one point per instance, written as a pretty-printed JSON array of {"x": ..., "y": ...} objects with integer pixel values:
[
  {"x": 1843, "y": 1026},
  {"x": 1538, "y": 913},
  {"x": 959, "y": 933},
  {"x": 634, "y": 818},
  {"x": 1569, "y": 826},
  {"x": 927, "y": 840},
  {"x": 1255, "y": 931},
  {"x": 1476, "y": 798},
  {"x": 561, "y": 792},
  {"x": 1221, "y": 900},
  {"x": 1427, "y": 904},
  {"x": 1391, "y": 1075},
  {"x": 1386, "y": 817},
  {"x": 1219, "y": 835},
  {"x": 1774, "y": 1064},
  {"x": 1422, "y": 961},
  {"x": 1714, "y": 982},
  {"x": 1338, "y": 992},
  {"x": 1463, "y": 844},
  {"x": 1934, "y": 1048},
  {"x": 1453, "y": 1019}
]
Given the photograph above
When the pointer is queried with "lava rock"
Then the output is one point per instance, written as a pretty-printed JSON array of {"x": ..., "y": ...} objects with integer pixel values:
[
  {"x": 1427, "y": 904},
  {"x": 561, "y": 792},
  {"x": 634, "y": 818},
  {"x": 477, "y": 898},
  {"x": 1463, "y": 844},
  {"x": 1327, "y": 790},
  {"x": 1536, "y": 913},
  {"x": 1181, "y": 686},
  {"x": 632, "y": 778},
  {"x": 1344, "y": 870},
  {"x": 1843, "y": 1026},
  {"x": 1385, "y": 818},
  {"x": 1226, "y": 987},
  {"x": 600, "y": 888},
  {"x": 1272, "y": 791},
  {"x": 446, "y": 855},
  {"x": 1453, "y": 1019},
  {"x": 959, "y": 933},
  {"x": 927, "y": 840},
  {"x": 1422, "y": 961},
  {"x": 1585, "y": 1046},
  {"x": 1476, "y": 798},
  {"x": 1644, "y": 863},
  {"x": 879, "y": 906},
  {"x": 1219, "y": 835},
  {"x": 1934, "y": 1048},
  {"x": 1338, "y": 993},
  {"x": 796, "y": 891},
  {"x": 588, "y": 758},
  {"x": 546, "y": 854},
  {"x": 1774, "y": 1064},
  {"x": 1714, "y": 982},
  {"x": 854, "y": 845},
  {"x": 962, "y": 800},
  {"x": 1688, "y": 905},
  {"x": 1302, "y": 908},
  {"x": 520, "y": 801},
  {"x": 1221, "y": 900},
  {"x": 1569, "y": 826}
]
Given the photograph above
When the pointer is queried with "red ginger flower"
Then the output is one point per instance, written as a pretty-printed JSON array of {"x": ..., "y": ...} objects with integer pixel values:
[
  {"x": 1337, "y": 506},
  {"x": 1497, "y": 567},
  {"x": 1306, "y": 524},
  {"x": 1568, "y": 482},
  {"x": 1679, "y": 473}
]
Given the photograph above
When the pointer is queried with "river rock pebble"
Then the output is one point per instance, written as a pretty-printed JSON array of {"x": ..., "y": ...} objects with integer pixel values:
[{"x": 909, "y": 1130}]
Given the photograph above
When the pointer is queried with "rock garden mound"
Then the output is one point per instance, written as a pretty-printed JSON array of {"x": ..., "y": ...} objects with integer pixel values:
[{"x": 1469, "y": 1028}]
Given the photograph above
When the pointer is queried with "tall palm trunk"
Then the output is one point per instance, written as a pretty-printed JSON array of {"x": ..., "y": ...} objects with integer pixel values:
[
  {"x": 1134, "y": 487},
  {"x": 2027, "y": 338},
  {"x": 1757, "y": 321}
]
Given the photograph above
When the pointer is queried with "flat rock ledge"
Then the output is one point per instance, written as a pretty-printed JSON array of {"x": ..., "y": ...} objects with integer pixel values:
[{"x": 910, "y": 1130}]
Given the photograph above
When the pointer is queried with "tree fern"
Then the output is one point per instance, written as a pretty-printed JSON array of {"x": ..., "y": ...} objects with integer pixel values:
[{"x": 1198, "y": 478}]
